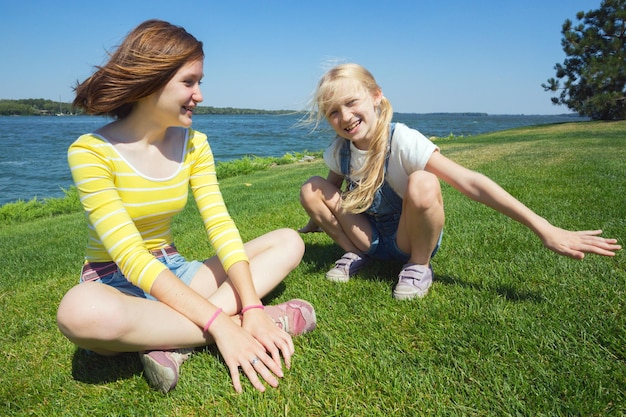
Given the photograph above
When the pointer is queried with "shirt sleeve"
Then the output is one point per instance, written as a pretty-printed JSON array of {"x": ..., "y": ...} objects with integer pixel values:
[
  {"x": 412, "y": 148},
  {"x": 332, "y": 156},
  {"x": 220, "y": 227},
  {"x": 410, "y": 152}
]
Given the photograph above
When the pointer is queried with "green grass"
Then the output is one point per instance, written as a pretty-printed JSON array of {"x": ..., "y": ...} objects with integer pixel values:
[{"x": 509, "y": 328}]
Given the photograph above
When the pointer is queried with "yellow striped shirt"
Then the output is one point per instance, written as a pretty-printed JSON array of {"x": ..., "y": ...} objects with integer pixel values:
[{"x": 129, "y": 214}]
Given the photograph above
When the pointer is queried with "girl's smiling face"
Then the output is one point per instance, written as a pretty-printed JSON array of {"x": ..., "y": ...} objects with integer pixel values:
[
  {"x": 352, "y": 113},
  {"x": 177, "y": 100}
]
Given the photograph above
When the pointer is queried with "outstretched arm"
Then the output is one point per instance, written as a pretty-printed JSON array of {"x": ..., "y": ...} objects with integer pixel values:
[{"x": 476, "y": 186}]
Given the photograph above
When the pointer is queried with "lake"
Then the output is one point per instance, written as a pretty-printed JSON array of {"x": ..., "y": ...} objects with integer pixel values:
[{"x": 33, "y": 160}]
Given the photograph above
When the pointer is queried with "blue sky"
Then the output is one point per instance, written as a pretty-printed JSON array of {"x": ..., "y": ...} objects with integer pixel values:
[{"x": 428, "y": 56}]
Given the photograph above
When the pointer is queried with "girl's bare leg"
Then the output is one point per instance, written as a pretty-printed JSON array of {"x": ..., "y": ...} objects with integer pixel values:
[
  {"x": 322, "y": 201},
  {"x": 422, "y": 217},
  {"x": 100, "y": 318},
  {"x": 272, "y": 256}
]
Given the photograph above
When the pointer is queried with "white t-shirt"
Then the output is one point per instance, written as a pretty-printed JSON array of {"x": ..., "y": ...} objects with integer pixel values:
[{"x": 410, "y": 152}]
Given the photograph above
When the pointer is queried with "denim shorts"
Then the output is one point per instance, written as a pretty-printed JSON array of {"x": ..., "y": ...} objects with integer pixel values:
[
  {"x": 384, "y": 246},
  {"x": 183, "y": 269}
]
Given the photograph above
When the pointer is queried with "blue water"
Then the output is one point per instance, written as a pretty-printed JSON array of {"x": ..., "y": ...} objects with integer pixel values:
[{"x": 33, "y": 159}]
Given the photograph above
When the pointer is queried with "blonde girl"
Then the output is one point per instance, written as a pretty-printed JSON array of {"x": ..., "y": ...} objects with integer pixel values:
[{"x": 392, "y": 206}]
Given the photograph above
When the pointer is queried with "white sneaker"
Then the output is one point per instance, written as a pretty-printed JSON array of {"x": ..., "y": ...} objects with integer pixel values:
[
  {"x": 349, "y": 264},
  {"x": 413, "y": 281}
]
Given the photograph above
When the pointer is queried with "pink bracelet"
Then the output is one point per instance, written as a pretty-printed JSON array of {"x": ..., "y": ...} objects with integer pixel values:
[
  {"x": 261, "y": 306},
  {"x": 211, "y": 320}
]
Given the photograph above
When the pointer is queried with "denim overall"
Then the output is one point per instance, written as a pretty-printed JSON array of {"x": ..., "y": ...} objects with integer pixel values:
[{"x": 384, "y": 213}]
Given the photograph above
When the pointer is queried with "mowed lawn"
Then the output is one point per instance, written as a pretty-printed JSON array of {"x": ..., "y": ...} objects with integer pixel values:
[{"x": 508, "y": 328}]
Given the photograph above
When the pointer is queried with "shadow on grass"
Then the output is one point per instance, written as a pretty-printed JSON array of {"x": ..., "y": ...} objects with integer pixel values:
[
  {"x": 509, "y": 292},
  {"x": 275, "y": 293},
  {"x": 91, "y": 368},
  {"x": 320, "y": 257}
]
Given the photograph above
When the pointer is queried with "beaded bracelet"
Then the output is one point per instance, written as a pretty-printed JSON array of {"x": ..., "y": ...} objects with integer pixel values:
[
  {"x": 211, "y": 320},
  {"x": 261, "y": 306}
]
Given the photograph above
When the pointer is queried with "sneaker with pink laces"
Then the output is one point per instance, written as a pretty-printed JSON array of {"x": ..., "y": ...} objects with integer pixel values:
[
  {"x": 295, "y": 316},
  {"x": 162, "y": 367}
]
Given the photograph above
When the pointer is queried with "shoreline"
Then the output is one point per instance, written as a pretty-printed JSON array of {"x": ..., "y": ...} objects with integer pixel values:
[{"x": 26, "y": 171}]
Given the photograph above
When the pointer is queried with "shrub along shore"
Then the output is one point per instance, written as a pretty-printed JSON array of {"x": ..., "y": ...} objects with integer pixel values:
[{"x": 509, "y": 328}]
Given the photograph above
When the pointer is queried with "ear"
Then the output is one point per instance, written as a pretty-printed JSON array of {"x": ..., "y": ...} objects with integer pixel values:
[{"x": 378, "y": 96}]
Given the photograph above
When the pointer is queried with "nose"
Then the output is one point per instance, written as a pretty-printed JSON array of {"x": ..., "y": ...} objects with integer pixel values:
[
  {"x": 346, "y": 114},
  {"x": 197, "y": 95}
]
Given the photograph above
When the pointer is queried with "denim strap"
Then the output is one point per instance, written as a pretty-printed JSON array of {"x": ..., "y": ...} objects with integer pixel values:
[{"x": 344, "y": 153}]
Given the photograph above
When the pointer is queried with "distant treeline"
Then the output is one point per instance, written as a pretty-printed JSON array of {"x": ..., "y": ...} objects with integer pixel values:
[
  {"x": 232, "y": 110},
  {"x": 470, "y": 114},
  {"x": 33, "y": 107},
  {"x": 43, "y": 107}
]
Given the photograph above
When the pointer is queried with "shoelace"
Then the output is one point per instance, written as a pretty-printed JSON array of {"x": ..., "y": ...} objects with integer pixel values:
[{"x": 283, "y": 323}]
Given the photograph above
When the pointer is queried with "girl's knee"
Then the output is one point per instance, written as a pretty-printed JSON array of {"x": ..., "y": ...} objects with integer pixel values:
[
  {"x": 292, "y": 243},
  {"x": 312, "y": 184},
  {"x": 87, "y": 312},
  {"x": 423, "y": 189},
  {"x": 314, "y": 181},
  {"x": 310, "y": 187},
  {"x": 318, "y": 191}
]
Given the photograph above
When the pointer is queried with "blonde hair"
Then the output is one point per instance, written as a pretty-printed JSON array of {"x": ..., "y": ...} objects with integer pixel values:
[{"x": 331, "y": 89}]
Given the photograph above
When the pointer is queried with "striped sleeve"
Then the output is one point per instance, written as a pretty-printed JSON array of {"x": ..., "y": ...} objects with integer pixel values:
[{"x": 220, "y": 227}]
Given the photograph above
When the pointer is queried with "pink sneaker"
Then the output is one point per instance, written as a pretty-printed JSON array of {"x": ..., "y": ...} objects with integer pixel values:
[
  {"x": 295, "y": 316},
  {"x": 161, "y": 367}
]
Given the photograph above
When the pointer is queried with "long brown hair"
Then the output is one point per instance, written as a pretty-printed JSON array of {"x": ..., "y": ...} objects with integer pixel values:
[
  {"x": 146, "y": 60},
  {"x": 372, "y": 173}
]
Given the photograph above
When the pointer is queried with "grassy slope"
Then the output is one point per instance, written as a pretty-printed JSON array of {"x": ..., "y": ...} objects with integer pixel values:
[{"x": 508, "y": 328}]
